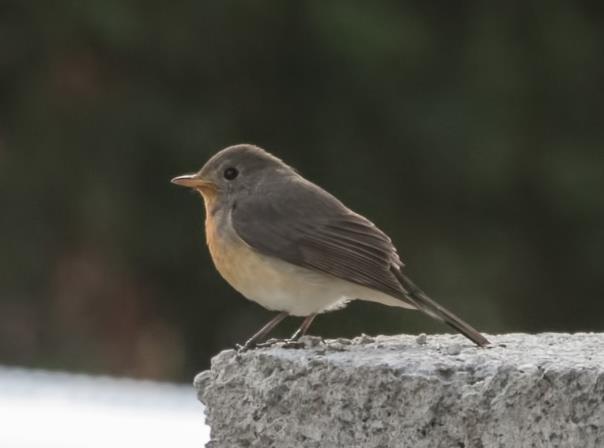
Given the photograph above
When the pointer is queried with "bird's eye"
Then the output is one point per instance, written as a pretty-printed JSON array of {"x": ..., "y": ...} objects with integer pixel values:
[{"x": 230, "y": 173}]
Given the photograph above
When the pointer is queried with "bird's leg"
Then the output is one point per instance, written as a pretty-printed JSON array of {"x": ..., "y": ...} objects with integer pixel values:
[
  {"x": 251, "y": 342},
  {"x": 301, "y": 331}
]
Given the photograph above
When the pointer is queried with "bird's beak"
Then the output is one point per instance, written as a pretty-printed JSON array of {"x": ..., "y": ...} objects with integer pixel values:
[{"x": 193, "y": 181}]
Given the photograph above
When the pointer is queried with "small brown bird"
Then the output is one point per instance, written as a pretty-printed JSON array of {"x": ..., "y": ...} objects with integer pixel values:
[{"x": 292, "y": 247}]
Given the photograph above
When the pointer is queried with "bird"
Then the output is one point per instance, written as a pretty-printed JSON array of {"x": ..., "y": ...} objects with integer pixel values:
[{"x": 287, "y": 244}]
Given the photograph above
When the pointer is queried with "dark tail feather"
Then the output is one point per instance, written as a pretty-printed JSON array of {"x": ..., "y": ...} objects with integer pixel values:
[{"x": 430, "y": 307}]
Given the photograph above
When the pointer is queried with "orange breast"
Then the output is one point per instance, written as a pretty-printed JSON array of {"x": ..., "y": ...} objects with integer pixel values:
[
  {"x": 224, "y": 251},
  {"x": 231, "y": 256}
]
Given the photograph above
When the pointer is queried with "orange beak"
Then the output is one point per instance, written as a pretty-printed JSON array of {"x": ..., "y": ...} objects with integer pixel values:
[{"x": 193, "y": 181}]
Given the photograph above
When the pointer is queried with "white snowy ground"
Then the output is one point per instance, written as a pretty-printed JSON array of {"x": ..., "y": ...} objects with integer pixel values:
[{"x": 61, "y": 410}]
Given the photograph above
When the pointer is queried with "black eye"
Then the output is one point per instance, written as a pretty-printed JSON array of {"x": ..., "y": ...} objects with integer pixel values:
[{"x": 230, "y": 173}]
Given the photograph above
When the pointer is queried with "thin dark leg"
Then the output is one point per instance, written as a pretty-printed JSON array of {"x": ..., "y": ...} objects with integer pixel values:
[
  {"x": 251, "y": 342},
  {"x": 301, "y": 331}
]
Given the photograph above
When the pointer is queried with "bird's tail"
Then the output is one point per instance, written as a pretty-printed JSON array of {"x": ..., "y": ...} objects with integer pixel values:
[{"x": 424, "y": 303}]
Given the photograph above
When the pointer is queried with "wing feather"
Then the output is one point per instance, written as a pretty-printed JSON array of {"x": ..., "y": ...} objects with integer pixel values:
[{"x": 306, "y": 226}]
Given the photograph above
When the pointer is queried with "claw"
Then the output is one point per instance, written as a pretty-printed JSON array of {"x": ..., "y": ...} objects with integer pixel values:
[
  {"x": 292, "y": 343},
  {"x": 270, "y": 343},
  {"x": 245, "y": 347}
]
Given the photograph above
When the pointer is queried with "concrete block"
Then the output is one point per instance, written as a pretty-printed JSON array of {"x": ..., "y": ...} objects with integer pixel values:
[{"x": 544, "y": 390}]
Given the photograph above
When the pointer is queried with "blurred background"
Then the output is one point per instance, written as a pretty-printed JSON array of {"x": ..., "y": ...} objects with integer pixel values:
[{"x": 470, "y": 132}]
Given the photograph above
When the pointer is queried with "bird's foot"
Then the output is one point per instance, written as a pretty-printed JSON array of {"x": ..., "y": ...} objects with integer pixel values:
[
  {"x": 304, "y": 341},
  {"x": 249, "y": 345},
  {"x": 243, "y": 348},
  {"x": 271, "y": 342},
  {"x": 282, "y": 343},
  {"x": 292, "y": 343}
]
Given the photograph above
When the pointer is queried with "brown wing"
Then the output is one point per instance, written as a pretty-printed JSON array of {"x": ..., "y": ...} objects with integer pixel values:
[{"x": 306, "y": 226}]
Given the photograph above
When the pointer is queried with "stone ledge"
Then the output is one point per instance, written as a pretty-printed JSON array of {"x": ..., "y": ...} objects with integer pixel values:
[{"x": 543, "y": 390}]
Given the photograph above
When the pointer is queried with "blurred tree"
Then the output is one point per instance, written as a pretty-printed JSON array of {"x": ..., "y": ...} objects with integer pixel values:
[{"x": 470, "y": 132}]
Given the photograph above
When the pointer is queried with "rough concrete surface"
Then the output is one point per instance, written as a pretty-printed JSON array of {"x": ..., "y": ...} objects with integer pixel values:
[{"x": 543, "y": 390}]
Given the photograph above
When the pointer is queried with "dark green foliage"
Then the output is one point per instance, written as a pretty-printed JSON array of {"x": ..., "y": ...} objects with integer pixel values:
[{"x": 471, "y": 132}]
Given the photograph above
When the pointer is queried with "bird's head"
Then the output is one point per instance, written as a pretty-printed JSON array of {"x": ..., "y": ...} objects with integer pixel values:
[{"x": 234, "y": 171}]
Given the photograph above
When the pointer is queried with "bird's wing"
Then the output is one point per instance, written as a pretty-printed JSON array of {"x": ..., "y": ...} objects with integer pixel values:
[{"x": 300, "y": 223}]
